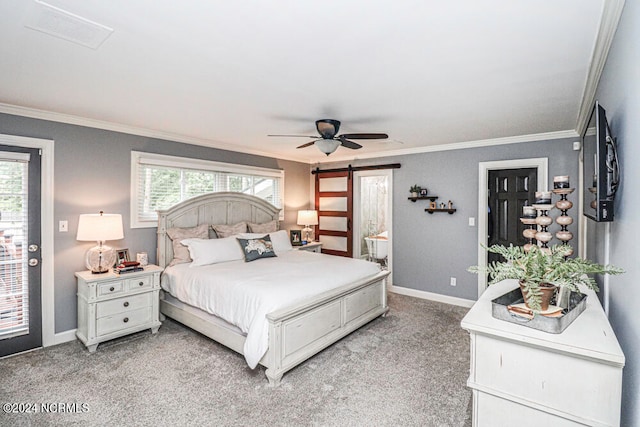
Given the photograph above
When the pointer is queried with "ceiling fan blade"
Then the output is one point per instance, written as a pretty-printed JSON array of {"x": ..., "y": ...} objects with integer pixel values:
[
  {"x": 306, "y": 145},
  {"x": 349, "y": 144},
  {"x": 297, "y": 136},
  {"x": 364, "y": 135}
]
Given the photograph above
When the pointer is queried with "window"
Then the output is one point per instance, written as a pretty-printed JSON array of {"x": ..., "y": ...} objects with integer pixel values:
[{"x": 159, "y": 182}]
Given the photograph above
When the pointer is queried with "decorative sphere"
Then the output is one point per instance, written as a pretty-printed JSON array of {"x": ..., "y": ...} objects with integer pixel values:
[
  {"x": 528, "y": 247},
  {"x": 544, "y": 220},
  {"x": 564, "y": 220},
  {"x": 544, "y": 236},
  {"x": 564, "y": 235},
  {"x": 529, "y": 233},
  {"x": 563, "y": 205}
]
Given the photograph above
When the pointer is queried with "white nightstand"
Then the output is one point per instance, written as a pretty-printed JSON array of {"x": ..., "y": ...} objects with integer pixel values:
[
  {"x": 310, "y": 247},
  {"x": 111, "y": 305}
]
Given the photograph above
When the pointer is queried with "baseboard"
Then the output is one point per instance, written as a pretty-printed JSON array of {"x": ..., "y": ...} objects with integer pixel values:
[
  {"x": 432, "y": 296},
  {"x": 63, "y": 337}
]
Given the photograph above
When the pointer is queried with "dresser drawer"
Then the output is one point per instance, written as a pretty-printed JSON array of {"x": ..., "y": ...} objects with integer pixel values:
[
  {"x": 110, "y": 288},
  {"x": 122, "y": 305},
  {"x": 139, "y": 283},
  {"x": 120, "y": 321}
]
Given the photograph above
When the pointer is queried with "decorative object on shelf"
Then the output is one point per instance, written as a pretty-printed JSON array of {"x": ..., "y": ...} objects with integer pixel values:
[
  {"x": 433, "y": 204},
  {"x": 450, "y": 205},
  {"x": 415, "y": 190},
  {"x": 100, "y": 228},
  {"x": 307, "y": 218},
  {"x": 423, "y": 192},
  {"x": 537, "y": 269},
  {"x": 122, "y": 255}
]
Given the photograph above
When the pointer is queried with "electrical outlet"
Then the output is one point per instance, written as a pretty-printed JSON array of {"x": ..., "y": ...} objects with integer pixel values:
[
  {"x": 63, "y": 226},
  {"x": 472, "y": 221},
  {"x": 452, "y": 282}
]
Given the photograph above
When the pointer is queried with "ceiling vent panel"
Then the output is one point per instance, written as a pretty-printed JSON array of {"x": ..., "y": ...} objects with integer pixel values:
[{"x": 65, "y": 25}]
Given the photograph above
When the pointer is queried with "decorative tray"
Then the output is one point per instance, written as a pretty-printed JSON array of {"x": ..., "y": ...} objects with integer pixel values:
[{"x": 554, "y": 325}]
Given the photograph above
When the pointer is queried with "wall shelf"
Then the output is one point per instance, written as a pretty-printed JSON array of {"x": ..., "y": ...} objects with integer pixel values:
[
  {"x": 449, "y": 211},
  {"x": 432, "y": 198}
]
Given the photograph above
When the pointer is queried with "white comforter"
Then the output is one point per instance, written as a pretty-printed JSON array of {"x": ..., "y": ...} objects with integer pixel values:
[{"x": 243, "y": 293}]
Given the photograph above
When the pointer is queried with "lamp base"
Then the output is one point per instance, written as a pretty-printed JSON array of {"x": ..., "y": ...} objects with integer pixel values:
[{"x": 100, "y": 259}]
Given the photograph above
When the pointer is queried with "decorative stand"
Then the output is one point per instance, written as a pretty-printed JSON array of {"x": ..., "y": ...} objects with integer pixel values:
[
  {"x": 529, "y": 232},
  {"x": 564, "y": 220},
  {"x": 543, "y": 220}
]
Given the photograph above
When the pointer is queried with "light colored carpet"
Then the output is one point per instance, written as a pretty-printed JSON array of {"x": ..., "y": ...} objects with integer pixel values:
[{"x": 407, "y": 369}]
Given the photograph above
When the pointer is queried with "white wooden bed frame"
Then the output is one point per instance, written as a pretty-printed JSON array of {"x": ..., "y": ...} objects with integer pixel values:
[{"x": 295, "y": 333}]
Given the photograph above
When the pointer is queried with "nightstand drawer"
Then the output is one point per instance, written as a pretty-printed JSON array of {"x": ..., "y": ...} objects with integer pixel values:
[
  {"x": 122, "y": 305},
  {"x": 122, "y": 321},
  {"x": 139, "y": 283},
  {"x": 110, "y": 288}
]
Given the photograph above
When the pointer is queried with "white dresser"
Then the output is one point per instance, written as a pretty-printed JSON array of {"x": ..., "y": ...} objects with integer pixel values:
[
  {"x": 112, "y": 305},
  {"x": 524, "y": 377}
]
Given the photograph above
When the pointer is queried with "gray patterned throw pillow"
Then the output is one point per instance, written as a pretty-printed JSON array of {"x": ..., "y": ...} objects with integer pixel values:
[{"x": 257, "y": 248}]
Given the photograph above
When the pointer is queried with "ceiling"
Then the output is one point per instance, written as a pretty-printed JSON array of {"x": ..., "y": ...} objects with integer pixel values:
[{"x": 227, "y": 73}]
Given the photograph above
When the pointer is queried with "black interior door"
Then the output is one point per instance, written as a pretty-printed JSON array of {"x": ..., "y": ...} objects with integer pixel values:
[{"x": 509, "y": 190}]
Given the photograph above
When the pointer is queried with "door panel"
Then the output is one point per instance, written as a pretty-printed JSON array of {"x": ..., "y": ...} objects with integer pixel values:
[
  {"x": 334, "y": 203},
  {"x": 509, "y": 190},
  {"x": 20, "y": 290}
]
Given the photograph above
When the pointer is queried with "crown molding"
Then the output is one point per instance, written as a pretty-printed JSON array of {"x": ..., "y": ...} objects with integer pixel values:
[
  {"x": 133, "y": 130},
  {"x": 611, "y": 13},
  {"x": 547, "y": 136}
]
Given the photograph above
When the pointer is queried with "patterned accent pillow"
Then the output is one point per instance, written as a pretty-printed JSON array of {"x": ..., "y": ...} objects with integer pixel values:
[
  {"x": 228, "y": 230},
  {"x": 181, "y": 252},
  {"x": 257, "y": 248},
  {"x": 265, "y": 227}
]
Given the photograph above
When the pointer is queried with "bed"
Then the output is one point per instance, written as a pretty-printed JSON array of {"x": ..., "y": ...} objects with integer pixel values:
[{"x": 295, "y": 332}]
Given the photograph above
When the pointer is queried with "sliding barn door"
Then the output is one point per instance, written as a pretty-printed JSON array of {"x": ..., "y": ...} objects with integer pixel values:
[{"x": 334, "y": 203}]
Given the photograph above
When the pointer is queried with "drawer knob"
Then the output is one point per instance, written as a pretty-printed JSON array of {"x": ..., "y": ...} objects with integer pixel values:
[
  {"x": 141, "y": 283},
  {"x": 125, "y": 320},
  {"x": 112, "y": 289},
  {"x": 126, "y": 304}
]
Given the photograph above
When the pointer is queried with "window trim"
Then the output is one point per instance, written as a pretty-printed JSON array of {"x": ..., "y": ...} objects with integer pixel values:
[{"x": 143, "y": 158}]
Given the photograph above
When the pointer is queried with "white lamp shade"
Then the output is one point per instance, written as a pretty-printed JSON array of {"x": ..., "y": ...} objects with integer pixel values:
[
  {"x": 327, "y": 146},
  {"x": 307, "y": 217},
  {"x": 100, "y": 227}
]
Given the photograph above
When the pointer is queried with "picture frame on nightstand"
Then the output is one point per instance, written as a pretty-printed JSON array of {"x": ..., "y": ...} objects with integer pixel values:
[
  {"x": 296, "y": 237},
  {"x": 122, "y": 255}
]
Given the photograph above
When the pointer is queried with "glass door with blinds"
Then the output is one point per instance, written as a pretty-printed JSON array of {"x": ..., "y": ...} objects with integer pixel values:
[{"x": 20, "y": 305}]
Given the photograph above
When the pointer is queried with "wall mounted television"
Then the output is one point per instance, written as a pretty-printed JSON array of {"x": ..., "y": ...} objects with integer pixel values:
[{"x": 601, "y": 175}]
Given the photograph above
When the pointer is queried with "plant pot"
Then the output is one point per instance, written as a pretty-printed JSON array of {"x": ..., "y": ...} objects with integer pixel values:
[
  {"x": 414, "y": 194},
  {"x": 547, "y": 290}
]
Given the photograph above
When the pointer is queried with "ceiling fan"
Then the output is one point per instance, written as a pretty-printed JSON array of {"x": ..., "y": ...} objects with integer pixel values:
[{"x": 329, "y": 141}]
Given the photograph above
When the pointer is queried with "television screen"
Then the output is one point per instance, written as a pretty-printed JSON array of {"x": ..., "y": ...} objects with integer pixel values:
[{"x": 600, "y": 168}]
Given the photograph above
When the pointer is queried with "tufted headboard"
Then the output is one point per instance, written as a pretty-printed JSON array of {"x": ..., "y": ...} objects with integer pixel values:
[{"x": 212, "y": 208}]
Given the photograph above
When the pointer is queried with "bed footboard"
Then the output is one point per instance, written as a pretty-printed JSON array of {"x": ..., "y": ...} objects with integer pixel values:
[{"x": 296, "y": 334}]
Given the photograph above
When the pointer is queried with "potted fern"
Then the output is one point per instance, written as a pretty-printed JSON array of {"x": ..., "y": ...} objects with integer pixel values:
[
  {"x": 540, "y": 272},
  {"x": 415, "y": 190}
]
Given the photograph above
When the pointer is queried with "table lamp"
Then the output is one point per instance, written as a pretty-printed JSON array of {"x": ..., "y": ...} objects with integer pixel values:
[
  {"x": 100, "y": 227},
  {"x": 307, "y": 218}
]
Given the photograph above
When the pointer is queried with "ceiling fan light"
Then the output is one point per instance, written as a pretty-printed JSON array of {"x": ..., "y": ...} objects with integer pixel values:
[{"x": 327, "y": 146}]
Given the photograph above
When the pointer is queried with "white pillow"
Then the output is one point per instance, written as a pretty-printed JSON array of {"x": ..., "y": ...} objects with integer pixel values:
[
  {"x": 280, "y": 240},
  {"x": 213, "y": 251}
]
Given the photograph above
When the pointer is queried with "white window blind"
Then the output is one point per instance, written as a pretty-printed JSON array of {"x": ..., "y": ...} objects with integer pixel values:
[
  {"x": 14, "y": 285},
  {"x": 159, "y": 182}
]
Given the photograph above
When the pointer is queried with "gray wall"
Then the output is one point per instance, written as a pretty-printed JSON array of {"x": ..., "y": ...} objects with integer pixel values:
[
  {"x": 429, "y": 249},
  {"x": 619, "y": 94},
  {"x": 92, "y": 173}
]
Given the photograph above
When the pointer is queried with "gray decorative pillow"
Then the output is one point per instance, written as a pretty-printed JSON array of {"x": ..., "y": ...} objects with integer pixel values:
[
  {"x": 228, "y": 230},
  {"x": 265, "y": 227},
  {"x": 257, "y": 248},
  {"x": 181, "y": 252}
]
